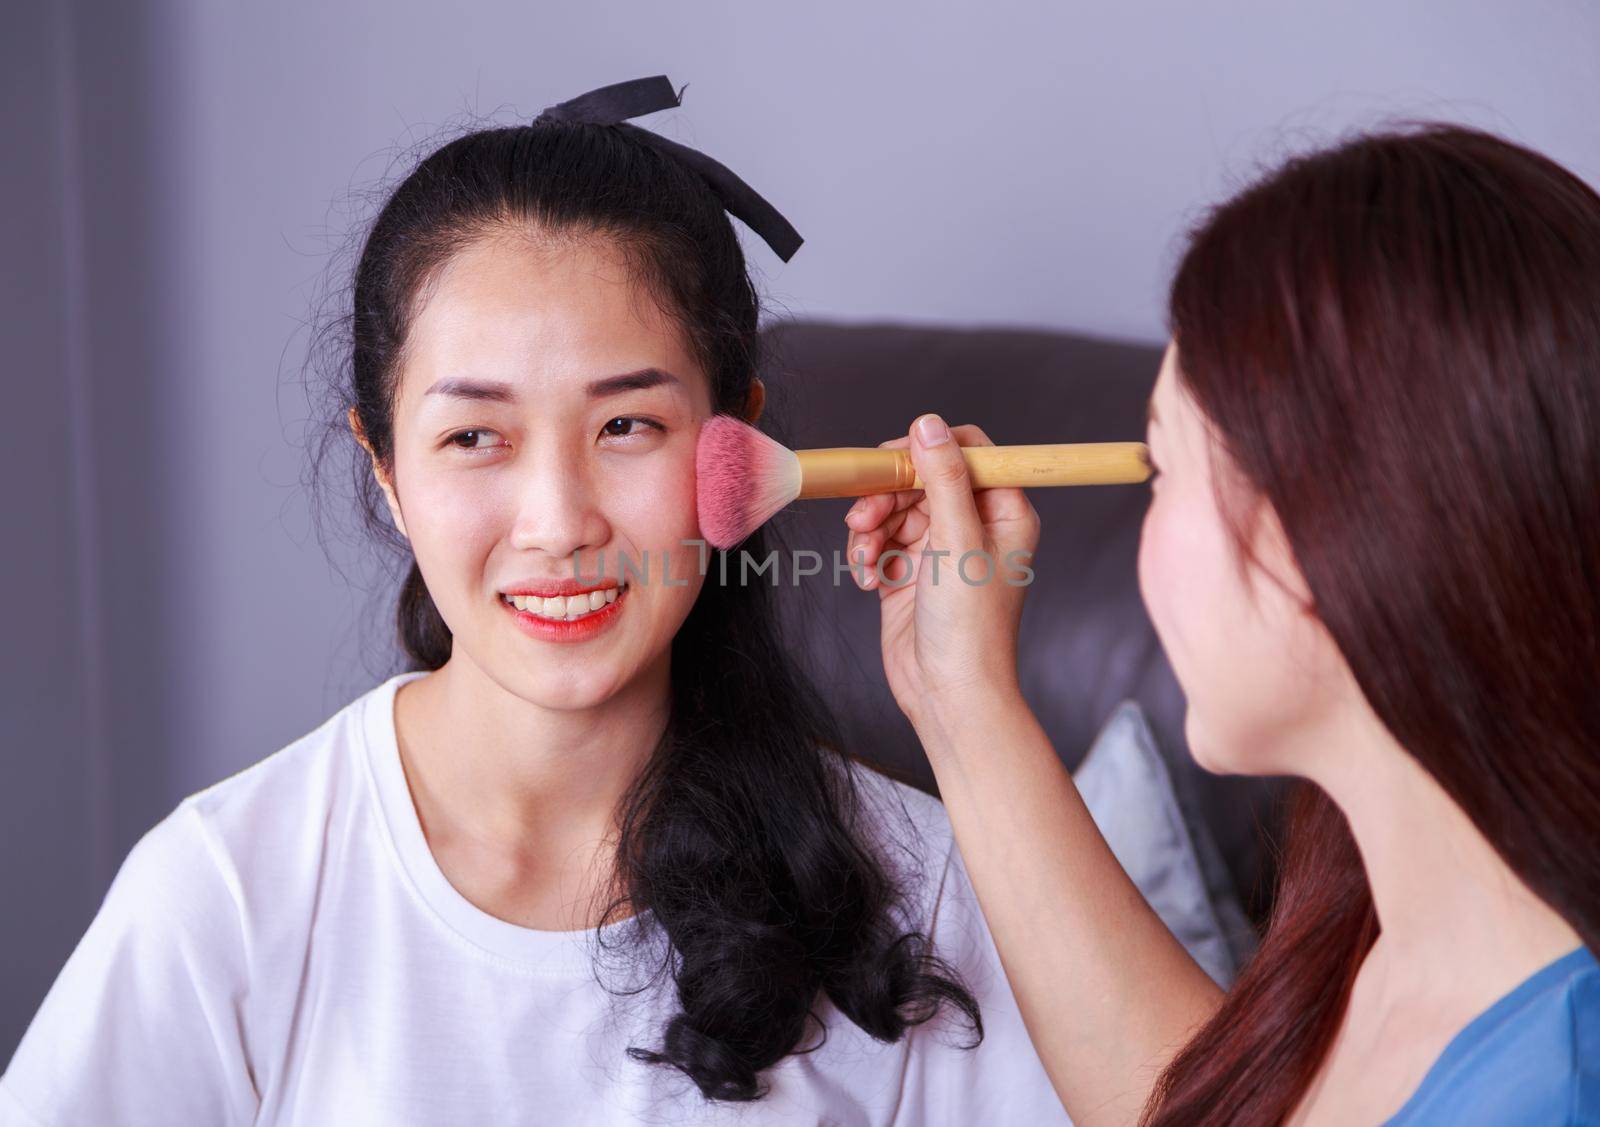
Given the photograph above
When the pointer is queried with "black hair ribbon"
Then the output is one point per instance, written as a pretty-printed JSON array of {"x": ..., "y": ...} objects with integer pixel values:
[{"x": 614, "y": 104}]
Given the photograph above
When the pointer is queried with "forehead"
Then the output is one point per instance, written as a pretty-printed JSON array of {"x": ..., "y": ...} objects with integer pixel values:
[
  {"x": 1162, "y": 391},
  {"x": 1169, "y": 398},
  {"x": 534, "y": 310}
]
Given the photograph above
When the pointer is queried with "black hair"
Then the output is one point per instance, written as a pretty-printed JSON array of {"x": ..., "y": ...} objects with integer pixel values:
[{"x": 743, "y": 840}]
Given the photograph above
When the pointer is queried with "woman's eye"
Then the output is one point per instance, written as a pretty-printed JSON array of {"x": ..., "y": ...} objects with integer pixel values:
[
  {"x": 470, "y": 436},
  {"x": 623, "y": 426}
]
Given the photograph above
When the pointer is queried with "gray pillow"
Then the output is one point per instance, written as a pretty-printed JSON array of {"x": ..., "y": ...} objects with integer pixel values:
[{"x": 1125, "y": 783}]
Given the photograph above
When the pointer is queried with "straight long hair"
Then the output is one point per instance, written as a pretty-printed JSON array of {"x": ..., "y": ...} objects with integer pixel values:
[{"x": 1397, "y": 342}]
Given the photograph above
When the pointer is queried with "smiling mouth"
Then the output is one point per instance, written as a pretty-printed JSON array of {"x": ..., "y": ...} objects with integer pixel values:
[{"x": 566, "y": 608}]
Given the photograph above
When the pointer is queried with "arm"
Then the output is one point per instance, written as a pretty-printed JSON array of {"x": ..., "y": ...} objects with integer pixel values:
[
  {"x": 1107, "y": 992},
  {"x": 948, "y": 1080}
]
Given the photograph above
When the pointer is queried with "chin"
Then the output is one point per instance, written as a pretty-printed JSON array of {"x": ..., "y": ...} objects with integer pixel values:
[
  {"x": 1216, "y": 756},
  {"x": 564, "y": 686},
  {"x": 1255, "y": 750}
]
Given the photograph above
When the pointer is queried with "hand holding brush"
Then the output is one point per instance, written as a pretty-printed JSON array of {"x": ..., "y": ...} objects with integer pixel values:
[{"x": 743, "y": 477}]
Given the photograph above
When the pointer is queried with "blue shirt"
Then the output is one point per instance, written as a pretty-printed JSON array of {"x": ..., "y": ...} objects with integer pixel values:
[{"x": 1531, "y": 1058}]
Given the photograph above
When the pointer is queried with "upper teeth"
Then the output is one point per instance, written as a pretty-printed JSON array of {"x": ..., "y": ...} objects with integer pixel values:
[{"x": 558, "y": 606}]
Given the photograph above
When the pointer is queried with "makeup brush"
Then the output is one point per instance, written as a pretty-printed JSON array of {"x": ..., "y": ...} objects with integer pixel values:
[{"x": 743, "y": 477}]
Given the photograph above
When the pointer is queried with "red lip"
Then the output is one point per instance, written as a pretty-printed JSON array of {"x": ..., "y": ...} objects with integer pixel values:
[
  {"x": 547, "y": 588},
  {"x": 574, "y": 630}
]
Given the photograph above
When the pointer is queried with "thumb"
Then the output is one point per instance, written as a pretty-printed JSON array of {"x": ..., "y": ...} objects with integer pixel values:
[{"x": 952, "y": 511}]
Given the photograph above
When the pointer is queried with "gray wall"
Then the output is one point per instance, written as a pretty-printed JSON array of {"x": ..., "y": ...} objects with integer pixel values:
[
  {"x": 89, "y": 488},
  {"x": 176, "y": 175}
]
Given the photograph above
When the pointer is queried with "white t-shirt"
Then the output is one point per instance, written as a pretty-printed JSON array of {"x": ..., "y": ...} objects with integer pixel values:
[{"x": 283, "y": 948}]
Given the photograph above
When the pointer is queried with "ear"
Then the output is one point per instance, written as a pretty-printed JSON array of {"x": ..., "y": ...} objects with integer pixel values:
[
  {"x": 755, "y": 401},
  {"x": 377, "y": 472}
]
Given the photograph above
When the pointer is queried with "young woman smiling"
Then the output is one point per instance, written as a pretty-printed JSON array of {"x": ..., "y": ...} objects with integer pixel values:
[{"x": 597, "y": 863}]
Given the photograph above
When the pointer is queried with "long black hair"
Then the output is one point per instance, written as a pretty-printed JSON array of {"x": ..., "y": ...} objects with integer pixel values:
[{"x": 742, "y": 841}]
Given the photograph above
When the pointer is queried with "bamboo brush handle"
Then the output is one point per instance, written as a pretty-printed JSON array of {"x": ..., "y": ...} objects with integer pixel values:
[{"x": 855, "y": 471}]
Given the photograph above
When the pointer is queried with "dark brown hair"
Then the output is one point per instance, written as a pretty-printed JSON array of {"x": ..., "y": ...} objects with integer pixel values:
[{"x": 1397, "y": 342}]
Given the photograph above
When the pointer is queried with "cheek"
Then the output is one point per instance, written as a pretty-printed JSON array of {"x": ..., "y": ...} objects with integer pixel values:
[
  {"x": 453, "y": 516},
  {"x": 651, "y": 508},
  {"x": 650, "y": 504},
  {"x": 1178, "y": 581},
  {"x": 1251, "y": 663},
  {"x": 653, "y": 502},
  {"x": 1213, "y": 635}
]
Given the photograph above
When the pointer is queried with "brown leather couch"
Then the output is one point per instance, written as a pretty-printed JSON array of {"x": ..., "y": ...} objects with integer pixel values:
[{"x": 1086, "y": 643}]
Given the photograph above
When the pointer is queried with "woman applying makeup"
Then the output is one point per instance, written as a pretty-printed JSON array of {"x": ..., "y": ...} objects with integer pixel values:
[
  {"x": 594, "y": 857},
  {"x": 1372, "y": 554}
]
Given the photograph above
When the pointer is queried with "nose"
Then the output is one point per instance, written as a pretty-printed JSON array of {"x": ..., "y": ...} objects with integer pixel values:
[{"x": 557, "y": 511}]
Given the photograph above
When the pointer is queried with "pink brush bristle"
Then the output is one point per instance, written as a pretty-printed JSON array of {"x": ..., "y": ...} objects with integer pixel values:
[{"x": 742, "y": 478}]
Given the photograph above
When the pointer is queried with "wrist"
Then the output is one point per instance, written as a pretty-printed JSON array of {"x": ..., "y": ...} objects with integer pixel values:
[{"x": 964, "y": 719}]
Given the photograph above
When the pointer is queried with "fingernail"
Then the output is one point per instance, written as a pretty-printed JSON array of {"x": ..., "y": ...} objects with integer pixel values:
[{"x": 931, "y": 431}]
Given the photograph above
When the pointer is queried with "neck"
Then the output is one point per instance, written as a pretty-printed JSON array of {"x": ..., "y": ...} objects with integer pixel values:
[
  {"x": 519, "y": 777},
  {"x": 1453, "y": 916}
]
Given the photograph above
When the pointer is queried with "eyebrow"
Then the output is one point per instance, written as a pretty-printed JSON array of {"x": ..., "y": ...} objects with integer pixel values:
[
  {"x": 494, "y": 391},
  {"x": 630, "y": 381}
]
